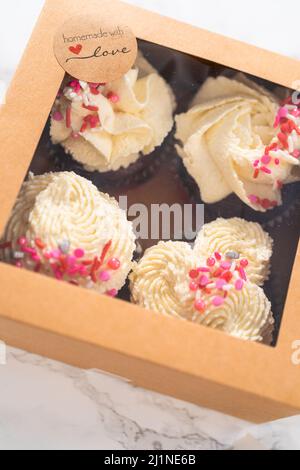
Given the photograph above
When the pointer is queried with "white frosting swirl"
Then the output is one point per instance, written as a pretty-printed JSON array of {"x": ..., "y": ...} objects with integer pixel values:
[
  {"x": 225, "y": 134},
  {"x": 59, "y": 207},
  {"x": 247, "y": 239},
  {"x": 245, "y": 314},
  {"x": 137, "y": 123},
  {"x": 158, "y": 281},
  {"x": 161, "y": 282}
]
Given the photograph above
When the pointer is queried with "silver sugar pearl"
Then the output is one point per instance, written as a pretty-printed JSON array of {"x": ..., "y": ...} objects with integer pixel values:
[
  {"x": 232, "y": 255},
  {"x": 64, "y": 247},
  {"x": 19, "y": 255}
]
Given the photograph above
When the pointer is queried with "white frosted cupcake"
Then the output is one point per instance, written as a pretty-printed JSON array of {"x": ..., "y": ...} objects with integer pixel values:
[
  {"x": 62, "y": 226},
  {"x": 171, "y": 280},
  {"x": 108, "y": 127},
  {"x": 238, "y": 239},
  {"x": 237, "y": 139}
]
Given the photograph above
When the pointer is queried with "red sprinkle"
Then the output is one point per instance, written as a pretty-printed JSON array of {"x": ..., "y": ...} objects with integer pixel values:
[
  {"x": 266, "y": 170},
  {"x": 40, "y": 244},
  {"x": 83, "y": 127},
  {"x": 244, "y": 263},
  {"x": 91, "y": 108},
  {"x": 113, "y": 97},
  {"x": 5, "y": 245},
  {"x": 211, "y": 262},
  {"x": 68, "y": 117},
  {"x": 193, "y": 286},
  {"x": 227, "y": 276},
  {"x": 256, "y": 173},
  {"x": 114, "y": 264},
  {"x": 200, "y": 305},
  {"x": 94, "y": 91},
  {"x": 193, "y": 274},
  {"x": 105, "y": 251}
]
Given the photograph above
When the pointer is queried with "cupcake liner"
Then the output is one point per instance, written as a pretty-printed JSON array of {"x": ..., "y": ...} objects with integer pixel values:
[{"x": 137, "y": 173}]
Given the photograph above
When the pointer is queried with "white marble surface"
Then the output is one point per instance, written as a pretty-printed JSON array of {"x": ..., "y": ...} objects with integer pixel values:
[{"x": 47, "y": 405}]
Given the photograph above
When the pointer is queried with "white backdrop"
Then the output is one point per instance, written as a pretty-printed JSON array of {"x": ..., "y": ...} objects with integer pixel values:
[
  {"x": 101, "y": 412},
  {"x": 272, "y": 24}
]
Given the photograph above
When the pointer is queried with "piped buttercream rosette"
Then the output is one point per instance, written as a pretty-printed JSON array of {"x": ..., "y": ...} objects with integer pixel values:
[
  {"x": 231, "y": 144},
  {"x": 64, "y": 227},
  {"x": 205, "y": 287},
  {"x": 106, "y": 127}
]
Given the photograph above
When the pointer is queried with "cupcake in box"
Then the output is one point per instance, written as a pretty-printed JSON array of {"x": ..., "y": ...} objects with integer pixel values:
[
  {"x": 114, "y": 128},
  {"x": 207, "y": 287},
  {"x": 236, "y": 138},
  {"x": 63, "y": 227}
]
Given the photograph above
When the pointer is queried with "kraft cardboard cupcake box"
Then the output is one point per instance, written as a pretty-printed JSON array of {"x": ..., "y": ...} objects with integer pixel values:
[{"x": 120, "y": 102}]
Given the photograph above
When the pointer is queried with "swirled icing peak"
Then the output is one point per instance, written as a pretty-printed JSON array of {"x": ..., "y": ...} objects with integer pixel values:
[
  {"x": 64, "y": 227},
  {"x": 171, "y": 279},
  {"x": 106, "y": 126},
  {"x": 231, "y": 144}
]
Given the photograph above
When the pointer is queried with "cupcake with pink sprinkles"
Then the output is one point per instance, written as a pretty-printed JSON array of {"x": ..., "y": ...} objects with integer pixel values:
[
  {"x": 107, "y": 127},
  {"x": 63, "y": 227}
]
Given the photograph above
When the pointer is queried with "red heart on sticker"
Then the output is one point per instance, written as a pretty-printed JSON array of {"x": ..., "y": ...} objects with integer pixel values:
[{"x": 76, "y": 49}]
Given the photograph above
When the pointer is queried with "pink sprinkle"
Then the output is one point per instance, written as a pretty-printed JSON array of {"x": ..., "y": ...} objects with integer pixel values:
[
  {"x": 57, "y": 116},
  {"x": 114, "y": 264},
  {"x": 104, "y": 276},
  {"x": 112, "y": 293},
  {"x": 58, "y": 275},
  {"x": 226, "y": 265},
  {"x": 244, "y": 263},
  {"x": 204, "y": 281},
  {"x": 296, "y": 153},
  {"x": 193, "y": 286},
  {"x": 282, "y": 113},
  {"x": 218, "y": 301},
  {"x": 47, "y": 256},
  {"x": 200, "y": 305},
  {"x": 220, "y": 284},
  {"x": 242, "y": 273},
  {"x": 79, "y": 253},
  {"x": 218, "y": 256},
  {"x": 253, "y": 199},
  {"x": 203, "y": 270},
  {"x": 36, "y": 258},
  {"x": 239, "y": 284},
  {"x": 82, "y": 270},
  {"x": 256, "y": 163},
  {"x": 71, "y": 260},
  {"x": 73, "y": 271},
  {"x": 266, "y": 170},
  {"x": 22, "y": 241},
  {"x": 113, "y": 97},
  {"x": 75, "y": 135},
  {"x": 277, "y": 161},
  {"x": 296, "y": 112},
  {"x": 211, "y": 262},
  {"x": 29, "y": 251},
  {"x": 19, "y": 264},
  {"x": 56, "y": 254},
  {"x": 266, "y": 159}
]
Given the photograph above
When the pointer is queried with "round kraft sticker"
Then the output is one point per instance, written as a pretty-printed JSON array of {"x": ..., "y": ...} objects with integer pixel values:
[{"x": 95, "y": 49}]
